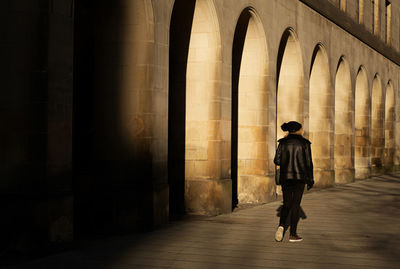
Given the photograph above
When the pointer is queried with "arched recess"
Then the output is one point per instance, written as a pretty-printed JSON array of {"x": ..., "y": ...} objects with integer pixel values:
[
  {"x": 250, "y": 111},
  {"x": 204, "y": 125},
  {"x": 389, "y": 126},
  {"x": 290, "y": 88},
  {"x": 377, "y": 125},
  {"x": 362, "y": 126},
  {"x": 320, "y": 117},
  {"x": 180, "y": 30},
  {"x": 343, "y": 161}
]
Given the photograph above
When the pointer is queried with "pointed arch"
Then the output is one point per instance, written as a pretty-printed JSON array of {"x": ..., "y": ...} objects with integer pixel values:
[
  {"x": 290, "y": 81},
  {"x": 320, "y": 116},
  {"x": 179, "y": 37},
  {"x": 195, "y": 123},
  {"x": 389, "y": 126},
  {"x": 204, "y": 124},
  {"x": 203, "y": 91},
  {"x": 343, "y": 161},
  {"x": 250, "y": 109},
  {"x": 362, "y": 125},
  {"x": 377, "y": 125}
]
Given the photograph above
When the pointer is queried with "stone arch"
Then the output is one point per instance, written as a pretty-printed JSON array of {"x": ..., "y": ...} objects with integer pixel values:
[
  {"x": 389, "y": 126},
  {"x": 377, "y": 125},
  {"x": 203, "y": 133},
  {"x": 362, "y": 125},
  {"x": 194, "y": 121},
  {"x": 179, "y": 37},
  {"x": 250, "y": 109},
  {"x": 290, "y": 81},
  {"x": 343, "y": 161},
  {"x": 320, "y": 116}
]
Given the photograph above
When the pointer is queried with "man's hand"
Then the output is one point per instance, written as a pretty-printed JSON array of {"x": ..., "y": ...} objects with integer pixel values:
[{"x": 309, "y": 186}]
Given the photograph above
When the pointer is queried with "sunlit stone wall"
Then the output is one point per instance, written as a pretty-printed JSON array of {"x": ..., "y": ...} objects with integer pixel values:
[
  {"x": 290, "y": 89},
  {"x": 295, "y": 65},
  {"x": 390, "y": 118},
  {"x": 343, "y": 124},
  {"x": 320, "y": 126}
]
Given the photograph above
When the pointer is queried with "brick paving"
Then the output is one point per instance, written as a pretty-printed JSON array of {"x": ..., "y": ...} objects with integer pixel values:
[{"x": 348, "y": 226}]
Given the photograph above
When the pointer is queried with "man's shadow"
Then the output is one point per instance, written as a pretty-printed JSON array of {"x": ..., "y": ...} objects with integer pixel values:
[{"x": 302, "y": 215}]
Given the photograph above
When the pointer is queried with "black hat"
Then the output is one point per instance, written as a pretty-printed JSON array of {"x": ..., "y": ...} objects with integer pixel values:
[{"x": 291, "y": 126}]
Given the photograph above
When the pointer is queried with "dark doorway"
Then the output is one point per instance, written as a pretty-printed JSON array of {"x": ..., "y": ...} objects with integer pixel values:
[
  {"x": 180, "y": 29},
  {"x": 237, "y": 51}
]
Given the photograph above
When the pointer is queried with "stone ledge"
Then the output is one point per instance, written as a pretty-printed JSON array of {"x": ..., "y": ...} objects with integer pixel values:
[
  {"x": 208, "y": 196},
  {"x": 254, "y": 189},
  {"x": 344, "y": 176},
  {"x": 362, "y": 172}
]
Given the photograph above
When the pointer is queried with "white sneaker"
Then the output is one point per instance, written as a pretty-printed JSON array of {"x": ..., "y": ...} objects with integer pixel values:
[{"x": 279, "y": 234}]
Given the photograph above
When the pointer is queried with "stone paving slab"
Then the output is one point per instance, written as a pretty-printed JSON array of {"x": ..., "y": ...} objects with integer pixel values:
[{"x": 348, "y": 226}]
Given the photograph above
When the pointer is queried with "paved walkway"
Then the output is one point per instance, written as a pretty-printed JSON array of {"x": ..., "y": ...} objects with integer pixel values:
[{"x": 349, "y": 226}]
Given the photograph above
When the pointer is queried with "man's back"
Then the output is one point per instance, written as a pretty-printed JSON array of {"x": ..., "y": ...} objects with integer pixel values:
[{"x": 294, "y": 158}]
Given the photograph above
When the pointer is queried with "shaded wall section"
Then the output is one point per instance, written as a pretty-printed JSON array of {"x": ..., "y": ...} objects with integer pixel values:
[
  {"x": 36, "y": 107},
  {"x": 115, "y": 186}
]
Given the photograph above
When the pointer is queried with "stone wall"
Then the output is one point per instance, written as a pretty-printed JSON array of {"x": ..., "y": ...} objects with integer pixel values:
[
  {"x": 36, "y": 115},
  {"x": 321, "y": 93},
  {"x": 121, "y": 114}
]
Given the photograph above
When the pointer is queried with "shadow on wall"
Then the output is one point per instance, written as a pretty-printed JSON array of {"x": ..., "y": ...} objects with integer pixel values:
[
  {"x": 23, "y": 117},
  {"x": 112, "y": 157}
]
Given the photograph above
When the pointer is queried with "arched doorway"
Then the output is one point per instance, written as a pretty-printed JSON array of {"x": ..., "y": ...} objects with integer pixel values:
[
  {"x": 343, "y": 161},
  {"x": 389, "y": 126},
  {"x": 361, "y": 128},
  {"x": 377, "y": 125},
  {"x": 320, "y": 117},
  {"x": 196, "y": 184},
  {"x": 180, "y": 30},
  {"x": 290, "y": 81},
  {"x": 250, "y": 110}
]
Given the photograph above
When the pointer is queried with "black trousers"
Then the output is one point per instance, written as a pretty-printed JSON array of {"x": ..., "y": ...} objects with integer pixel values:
[{"x": 292, "y": 194}]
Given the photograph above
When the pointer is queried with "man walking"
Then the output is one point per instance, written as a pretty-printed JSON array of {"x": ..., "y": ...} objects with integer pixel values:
[{"x": 293, "y": 156}]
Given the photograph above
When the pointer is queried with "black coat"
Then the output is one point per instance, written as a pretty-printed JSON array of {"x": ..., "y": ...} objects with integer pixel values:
[{"x": 293, "y": 155}]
